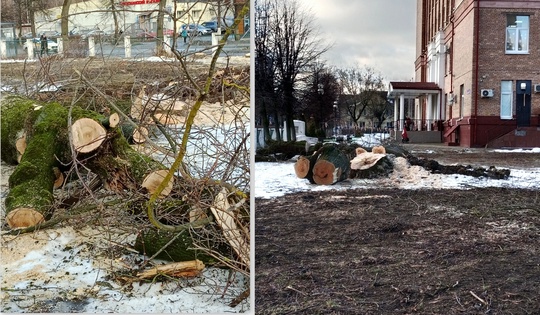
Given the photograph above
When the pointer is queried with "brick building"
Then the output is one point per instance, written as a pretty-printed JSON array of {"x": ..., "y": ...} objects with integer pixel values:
[{"x": 477, "y": 74}]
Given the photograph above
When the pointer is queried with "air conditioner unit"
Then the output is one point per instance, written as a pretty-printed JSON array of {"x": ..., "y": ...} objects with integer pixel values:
[
  {"x": 537, "y": 88},
  {"x": 486, "y": 92}
]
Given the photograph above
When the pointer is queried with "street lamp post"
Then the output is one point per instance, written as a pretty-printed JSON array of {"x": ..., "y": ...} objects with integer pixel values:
[{"x": 335, "y": 118}]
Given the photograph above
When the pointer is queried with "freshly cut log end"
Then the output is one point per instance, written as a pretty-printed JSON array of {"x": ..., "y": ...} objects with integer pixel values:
[
  {"x": 360, "y": 151},
  {"x": 140, "y": 134},
  {"x": 59, "y": 178},
  {"x": 114, "y": 120},
  {"x": 325, "y": 173},
  {"x": 24, "y": 217},
  {"x": 301, "y": 167},
  {"x": 378, "y": 149},
  {"x": 87, "y": 135},
  {"x": 152, "y": 181},
  {"x": 365, "y": 160}
]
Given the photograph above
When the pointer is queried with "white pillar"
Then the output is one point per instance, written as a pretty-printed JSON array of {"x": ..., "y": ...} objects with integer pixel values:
[
  {"x": 127, "y": 46},
  {"x": 396, "y": 118},
  {"x": 167, "y": 44},
  {"x": 3, "y": 49},
  {"x": 91, "y": 46},
  {"x": 60, "y": 43},
  {"x": 401, "y": 111},
  {"x": 30, "y": 48},
  {"x": 429, "y": 111},
  {"x": 216, "y": 37}
]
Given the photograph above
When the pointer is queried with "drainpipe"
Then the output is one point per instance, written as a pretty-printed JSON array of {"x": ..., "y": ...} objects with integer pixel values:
[
  {"x": 477, "y": 25},
  {"x": 452, "y": 61}
]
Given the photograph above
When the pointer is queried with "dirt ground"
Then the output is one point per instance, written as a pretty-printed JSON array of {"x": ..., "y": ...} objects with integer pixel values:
[{"x": 395, "y": 251}]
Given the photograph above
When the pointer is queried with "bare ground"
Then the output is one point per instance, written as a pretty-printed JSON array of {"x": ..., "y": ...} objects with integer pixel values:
[{"x": 395, "y": 251}]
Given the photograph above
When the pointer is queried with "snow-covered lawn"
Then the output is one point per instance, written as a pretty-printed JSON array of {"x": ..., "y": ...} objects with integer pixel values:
[{"x": 278, "y": 179}]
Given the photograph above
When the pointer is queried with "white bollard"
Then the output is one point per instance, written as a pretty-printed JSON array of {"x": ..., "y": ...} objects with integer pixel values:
[
  {"x": 167, "y": 44},
  {"x": 30, "y": 48},
  {"x": 216, "y": 37},
  {"x": 60, "y": 43},
  {"x": 127, "y": 46},
  {"x": 3, "y": 49},
  {"x": 91, "y": 46}
]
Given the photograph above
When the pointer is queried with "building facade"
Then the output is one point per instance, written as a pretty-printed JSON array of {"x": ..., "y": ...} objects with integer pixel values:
[
  {"x": 482, "y": 61},
  {"x": 135, "y": 16}
]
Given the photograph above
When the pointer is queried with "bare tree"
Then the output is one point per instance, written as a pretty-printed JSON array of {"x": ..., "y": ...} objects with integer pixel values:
[
  {"x": 318, "y": 99},
  {"x": 293, "y": 45},
  {"x": 362, "y": 87}
]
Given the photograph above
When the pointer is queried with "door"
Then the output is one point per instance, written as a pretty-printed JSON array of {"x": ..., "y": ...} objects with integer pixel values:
[{"x": 523, "y": 102}]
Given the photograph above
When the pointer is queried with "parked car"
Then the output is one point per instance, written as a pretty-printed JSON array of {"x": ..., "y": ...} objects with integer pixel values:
[
  {"x": 195, "y": 29},
  {"x": 49, "y": 34},
  {"x": 98, "y": 34},
  {"x": 52, "y": 46},
  {"x": 213, "y": 25}
]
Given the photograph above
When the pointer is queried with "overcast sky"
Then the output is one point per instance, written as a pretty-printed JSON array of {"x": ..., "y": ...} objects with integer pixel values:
[{"x": 377, "y": 33}]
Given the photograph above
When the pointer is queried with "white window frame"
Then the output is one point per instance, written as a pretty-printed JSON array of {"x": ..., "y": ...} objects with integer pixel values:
[
  {"x": 507, "y": 99},
  {"x": 517, "y": 35}
]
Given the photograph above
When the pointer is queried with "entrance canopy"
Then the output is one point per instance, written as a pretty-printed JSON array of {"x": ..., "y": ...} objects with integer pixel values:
[{"x": 412, "y": 89}]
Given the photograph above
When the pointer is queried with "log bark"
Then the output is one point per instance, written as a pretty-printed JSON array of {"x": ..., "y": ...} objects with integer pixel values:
[{"x": 331, "y": 166}]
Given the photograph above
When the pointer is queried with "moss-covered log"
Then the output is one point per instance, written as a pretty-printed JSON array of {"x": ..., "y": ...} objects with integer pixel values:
[
  {"x": 182, "y": 248},
  {"x": 30, "y": 197}
]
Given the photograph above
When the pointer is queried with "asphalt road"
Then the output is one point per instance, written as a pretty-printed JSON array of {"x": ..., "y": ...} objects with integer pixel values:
[{"x": 147, "y": 48}]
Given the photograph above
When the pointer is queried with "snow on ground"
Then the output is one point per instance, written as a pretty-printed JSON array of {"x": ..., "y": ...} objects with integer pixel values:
[
  {"x": 65, "y": 270},
  {"x": 277, "y": 179}
]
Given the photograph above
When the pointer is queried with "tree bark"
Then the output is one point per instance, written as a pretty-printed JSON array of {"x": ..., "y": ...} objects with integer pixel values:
[{"x": 326, "y": 166}]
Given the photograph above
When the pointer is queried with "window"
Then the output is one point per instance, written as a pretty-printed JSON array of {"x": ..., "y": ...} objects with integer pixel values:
[
  {"x": 506, "y": 99},
  {"x": 517, "y": 34}
]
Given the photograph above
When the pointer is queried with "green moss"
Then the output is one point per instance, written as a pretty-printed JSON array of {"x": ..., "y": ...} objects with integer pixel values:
[
  {"x": 151, "y": 241},
  {"x": 13, "y": 113}
]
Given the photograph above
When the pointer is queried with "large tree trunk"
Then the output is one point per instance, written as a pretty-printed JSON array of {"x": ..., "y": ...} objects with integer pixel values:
[{"x": 326, "y": 166}]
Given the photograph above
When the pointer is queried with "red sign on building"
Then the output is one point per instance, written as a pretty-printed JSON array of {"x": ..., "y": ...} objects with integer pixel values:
[{"x": 136, "y": 2}]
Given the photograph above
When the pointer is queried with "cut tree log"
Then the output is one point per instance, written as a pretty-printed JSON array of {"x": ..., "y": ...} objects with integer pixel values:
[
  {"x": 371, "y": 164},
  {"x": 178, "y": 269},
  {"x": 226, "y": 219},
  {"x": 331, "y": 167},
  {"x": 29, "y": 200},
  {"x": 153, "y": 241},
  {"x": 326, "y": 166},
  {"x": 112, "y": 121}
]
